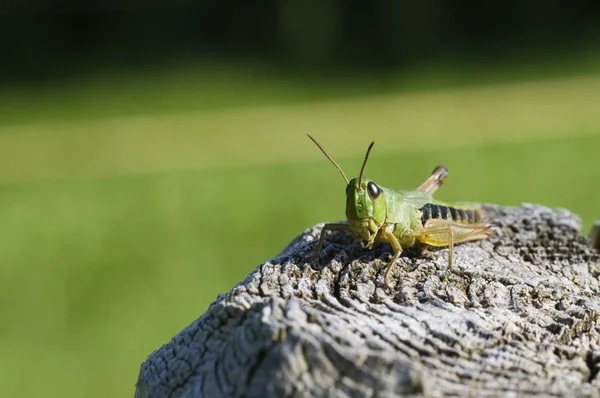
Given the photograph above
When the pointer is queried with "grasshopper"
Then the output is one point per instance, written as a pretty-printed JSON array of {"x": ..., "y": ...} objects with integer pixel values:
[{"x": 402, "y": 217}]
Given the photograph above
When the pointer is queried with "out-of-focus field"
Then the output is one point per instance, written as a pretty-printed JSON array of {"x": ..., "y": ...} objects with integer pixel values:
[{"x": 118, "y": 228}]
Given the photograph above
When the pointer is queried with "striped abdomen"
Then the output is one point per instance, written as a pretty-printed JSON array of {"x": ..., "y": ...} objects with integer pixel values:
[{"x": 464, "y": 216}]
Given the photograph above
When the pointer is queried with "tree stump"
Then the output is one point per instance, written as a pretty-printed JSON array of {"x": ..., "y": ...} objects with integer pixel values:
[{"x": 518, "y": 316}]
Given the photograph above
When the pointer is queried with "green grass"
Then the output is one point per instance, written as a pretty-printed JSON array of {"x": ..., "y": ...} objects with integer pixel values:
[
  {"x": 118, "y": 231},
  {"x": 206, "y": 139}
]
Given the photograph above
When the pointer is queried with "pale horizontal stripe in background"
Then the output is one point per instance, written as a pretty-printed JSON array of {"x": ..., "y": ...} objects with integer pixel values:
[{"x": 274, "y": 134}]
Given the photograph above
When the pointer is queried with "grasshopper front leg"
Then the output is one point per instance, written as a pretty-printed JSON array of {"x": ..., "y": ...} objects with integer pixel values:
[
  {"x": 397, "y": 249},
  {"x": 328, "y": 227}
]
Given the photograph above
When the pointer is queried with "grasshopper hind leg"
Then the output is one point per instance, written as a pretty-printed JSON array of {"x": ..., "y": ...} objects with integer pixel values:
[
  {"x": 435, "y": 180},
  {"x": 439, "y": 232}
]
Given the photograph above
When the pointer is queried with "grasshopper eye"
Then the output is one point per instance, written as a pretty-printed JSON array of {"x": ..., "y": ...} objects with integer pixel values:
[{"x": 373, "y": 190}]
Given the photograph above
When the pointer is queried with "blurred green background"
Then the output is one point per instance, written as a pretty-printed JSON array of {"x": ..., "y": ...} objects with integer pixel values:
[{"x": 151, "y": 157}]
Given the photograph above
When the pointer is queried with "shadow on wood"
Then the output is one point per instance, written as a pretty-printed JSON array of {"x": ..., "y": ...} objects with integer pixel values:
[{"x": 519, "y": 316}]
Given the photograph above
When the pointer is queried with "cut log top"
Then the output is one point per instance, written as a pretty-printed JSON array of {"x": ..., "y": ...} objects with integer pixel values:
[{"x": 517, "y": 317}]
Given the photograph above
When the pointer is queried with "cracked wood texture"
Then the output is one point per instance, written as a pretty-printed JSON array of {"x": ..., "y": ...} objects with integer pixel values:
[{"x": 518, "y": 316}]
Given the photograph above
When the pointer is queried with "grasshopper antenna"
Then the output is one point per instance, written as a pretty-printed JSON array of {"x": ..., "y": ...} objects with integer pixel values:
[
  {"x": 362, "y": 169},
  {"x": 330, "y": 159}
]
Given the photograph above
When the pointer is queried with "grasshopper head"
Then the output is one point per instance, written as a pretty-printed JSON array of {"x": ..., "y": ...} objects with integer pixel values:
[
  {"x": 365, "y": 202},
  {"x": 365, "y": 208}
]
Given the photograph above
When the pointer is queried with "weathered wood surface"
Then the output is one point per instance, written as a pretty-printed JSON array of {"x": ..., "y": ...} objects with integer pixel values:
[{"x": 519, "y": 317}]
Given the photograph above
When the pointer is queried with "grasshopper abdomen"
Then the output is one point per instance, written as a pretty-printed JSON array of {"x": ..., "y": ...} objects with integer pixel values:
[{"x": 442, "y": 212}]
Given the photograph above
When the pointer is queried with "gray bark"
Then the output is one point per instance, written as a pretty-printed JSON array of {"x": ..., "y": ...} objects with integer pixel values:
[{"x": 517, "y": 317}]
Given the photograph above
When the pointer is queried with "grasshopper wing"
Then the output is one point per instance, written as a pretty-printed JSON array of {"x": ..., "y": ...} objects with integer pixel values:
[{"x": 417, "y": 198}]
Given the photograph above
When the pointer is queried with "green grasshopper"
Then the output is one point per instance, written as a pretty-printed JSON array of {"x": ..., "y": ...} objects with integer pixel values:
[{"x": 402, "y": 217}]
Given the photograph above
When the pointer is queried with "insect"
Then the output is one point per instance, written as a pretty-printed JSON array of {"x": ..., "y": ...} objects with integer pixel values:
[{"x": 402, "y": 217}]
